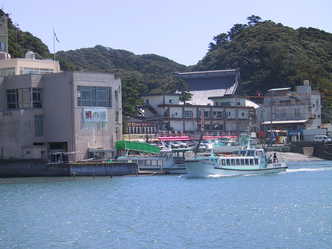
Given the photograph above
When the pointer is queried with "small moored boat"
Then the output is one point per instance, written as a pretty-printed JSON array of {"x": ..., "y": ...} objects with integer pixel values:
[{"x": 149, "y": 158}]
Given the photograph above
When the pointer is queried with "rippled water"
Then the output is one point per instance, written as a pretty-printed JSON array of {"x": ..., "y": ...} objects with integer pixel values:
[{"x": 286, "y": 210}]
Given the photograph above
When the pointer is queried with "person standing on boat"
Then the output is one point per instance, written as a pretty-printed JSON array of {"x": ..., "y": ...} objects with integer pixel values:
[{"x": 275, "y": 158}]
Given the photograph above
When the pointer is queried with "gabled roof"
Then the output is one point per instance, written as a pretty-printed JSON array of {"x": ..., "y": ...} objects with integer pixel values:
[{"x": 204, "y": 84}]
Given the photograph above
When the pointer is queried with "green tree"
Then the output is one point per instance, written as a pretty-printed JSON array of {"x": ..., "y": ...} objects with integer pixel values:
[{"x": 253, "y": 20}]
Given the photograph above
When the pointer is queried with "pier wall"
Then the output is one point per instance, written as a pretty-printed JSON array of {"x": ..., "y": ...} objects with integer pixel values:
[
  {"x": 30, "y": 168},
  {"x": 110, "y": 169},
  {"x": 36, "y": 168},
  {"x": 321, "y": 150}
]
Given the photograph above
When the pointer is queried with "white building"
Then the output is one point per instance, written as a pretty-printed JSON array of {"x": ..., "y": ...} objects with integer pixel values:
[
  {"x": 289, "y": 110},
  {"x": 227, "y": 116}
]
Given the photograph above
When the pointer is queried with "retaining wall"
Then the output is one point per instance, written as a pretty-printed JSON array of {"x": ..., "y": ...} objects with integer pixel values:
[
  {"x": 26, "y": 168},
  {"x": 32, "y": 168},
  {"x": 100, "y": 169}
]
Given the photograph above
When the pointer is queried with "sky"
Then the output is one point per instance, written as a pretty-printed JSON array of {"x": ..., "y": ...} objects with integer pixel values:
[{"x": 180, "y": 30}]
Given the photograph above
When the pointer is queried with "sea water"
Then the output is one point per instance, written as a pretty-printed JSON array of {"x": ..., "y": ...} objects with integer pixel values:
[{"x": 286, "y": 210}]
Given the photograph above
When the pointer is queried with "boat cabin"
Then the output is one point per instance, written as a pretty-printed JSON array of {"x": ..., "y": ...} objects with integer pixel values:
[{"x": 248, "y": 157}]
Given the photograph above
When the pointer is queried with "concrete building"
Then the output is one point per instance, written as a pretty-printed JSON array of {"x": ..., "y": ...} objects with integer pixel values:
[
  {"x": 72, "y": 112},
  {"x": 204, "y": 84},
  {"x": 27, "y": 65},
  {"x": 292, "y": 111},
  {"x": 226, "y": 116}
]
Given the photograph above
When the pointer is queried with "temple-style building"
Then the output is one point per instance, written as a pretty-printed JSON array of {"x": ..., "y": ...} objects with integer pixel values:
[{"x": 205, "y": 84}]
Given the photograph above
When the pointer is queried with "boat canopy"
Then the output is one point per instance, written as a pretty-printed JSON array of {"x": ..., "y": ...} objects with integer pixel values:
[{"x": 137, "y": 146}]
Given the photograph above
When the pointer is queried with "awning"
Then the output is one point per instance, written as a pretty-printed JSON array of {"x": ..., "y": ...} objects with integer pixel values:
[
  {"x": 285, "y": 122},
  {"x": 137, "y": 146}
]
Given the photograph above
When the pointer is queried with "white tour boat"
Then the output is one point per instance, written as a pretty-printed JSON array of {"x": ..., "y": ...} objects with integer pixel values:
[{"x": 243, "y": 162}]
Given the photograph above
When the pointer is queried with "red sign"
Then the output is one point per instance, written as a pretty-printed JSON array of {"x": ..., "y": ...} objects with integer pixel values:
[{"x": 175, "y": 138}]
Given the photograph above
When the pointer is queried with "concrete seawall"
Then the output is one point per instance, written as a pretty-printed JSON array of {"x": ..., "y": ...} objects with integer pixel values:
[
  {"x": 103, "y": 169},
  {"x": 34, "y": 168},
  {"x": 321, "y": 150},
  {"x": 27, "y": 168}
]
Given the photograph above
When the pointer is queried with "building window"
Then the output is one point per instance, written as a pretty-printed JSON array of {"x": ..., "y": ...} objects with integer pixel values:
[
  {"x": 147, "y": 101},
  {"x": 219, "y": 114},
  {"x": 206, "y": 114},
  {"x": 7, "y": 71},
  {"x": 170, "y": 101},
  {"x": 36, "y": 98},
  {"x": 39, "y": 125},
  {"x": 21, "y": 98},
  {"x": 116, "y": 116},
  {"x": 116, "y": 94},
  {"x": 24, "y": 98},
  {"x": 27, "y": 70},
  {"x": 12, "y": 98},
  {"x": 94, "y": 96},
  {"x": 188, "y": 114}
]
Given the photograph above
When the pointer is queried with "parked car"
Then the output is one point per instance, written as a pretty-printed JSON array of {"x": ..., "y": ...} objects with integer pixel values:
[{"x": 322, "y": 139}]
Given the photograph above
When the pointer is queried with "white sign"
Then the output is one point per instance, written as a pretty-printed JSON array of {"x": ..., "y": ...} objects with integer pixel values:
[{"x": 95, "y": 115}]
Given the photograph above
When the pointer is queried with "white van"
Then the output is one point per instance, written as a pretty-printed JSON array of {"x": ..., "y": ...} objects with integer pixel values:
[{"x": 322, "y": 139}]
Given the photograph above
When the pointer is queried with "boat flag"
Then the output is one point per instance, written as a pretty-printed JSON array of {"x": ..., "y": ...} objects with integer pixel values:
[{"x": 55, "y": 36}]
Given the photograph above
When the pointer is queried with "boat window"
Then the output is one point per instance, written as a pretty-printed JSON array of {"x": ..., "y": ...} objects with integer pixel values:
[
  {"x": 237, "y": 161},
  {"x": 251, "y": 152},
  {"x": 251, "y": 161},
  {"x": 242, "y": 161},
  {"x": 256, "y": 161},
  {"x": 260, "y": 153},
  {"x": 232, "y": 161},
  {"x": 243, "y": 152},
  {"x": 223, "y": 162},
  {"x": 247, "y": 161},
  {"x": 227, "y": 161}
]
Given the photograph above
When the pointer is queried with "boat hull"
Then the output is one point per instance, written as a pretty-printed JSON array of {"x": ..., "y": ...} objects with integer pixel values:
[
  {"x": 210, "y": 168},
  {"x": 234, "y": 172},
  {"x": 200, "y": 168}
]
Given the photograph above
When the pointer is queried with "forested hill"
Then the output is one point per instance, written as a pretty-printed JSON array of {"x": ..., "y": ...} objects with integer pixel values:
[
  {"x": 268, "y": 55},
  {"x": 272, "y": 55},
  {"x": 20, "y": 42}
]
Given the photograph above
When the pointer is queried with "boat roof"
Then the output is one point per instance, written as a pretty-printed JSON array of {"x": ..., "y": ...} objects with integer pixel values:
[
  {"x": 137, "y": 146},
  {"x": 285, "y": 122}
]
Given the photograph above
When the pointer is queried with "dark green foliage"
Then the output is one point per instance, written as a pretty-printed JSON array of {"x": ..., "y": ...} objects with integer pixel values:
[
  {"x": 272, "y": 55},
  {"x": 20, "y": 42},
  {"x": 253, "y": 20}
]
